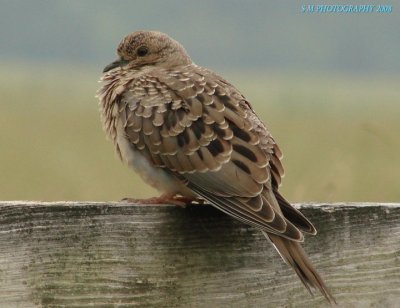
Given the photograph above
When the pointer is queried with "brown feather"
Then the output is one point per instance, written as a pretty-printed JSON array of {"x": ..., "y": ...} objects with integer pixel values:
[
  {"x": 200, "y": 130},
  {"x": 293, "y": 254}
]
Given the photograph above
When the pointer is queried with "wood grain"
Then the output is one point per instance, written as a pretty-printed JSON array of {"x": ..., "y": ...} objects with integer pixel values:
[{"x": 87, "y": 254}]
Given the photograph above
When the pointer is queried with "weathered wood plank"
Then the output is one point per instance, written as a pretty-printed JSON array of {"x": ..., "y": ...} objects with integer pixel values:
[{"x": 111, "y": 254}]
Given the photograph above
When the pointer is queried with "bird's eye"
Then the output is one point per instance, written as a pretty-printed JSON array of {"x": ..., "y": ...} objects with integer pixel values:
[{"x": 142, "y": 51}]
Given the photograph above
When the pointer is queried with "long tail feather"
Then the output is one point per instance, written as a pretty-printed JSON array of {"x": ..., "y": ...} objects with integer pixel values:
[{"x": 293, "y": 254}]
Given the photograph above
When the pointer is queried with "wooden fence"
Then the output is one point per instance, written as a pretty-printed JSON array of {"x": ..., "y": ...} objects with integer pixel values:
[{"x": 77, "y": 254}]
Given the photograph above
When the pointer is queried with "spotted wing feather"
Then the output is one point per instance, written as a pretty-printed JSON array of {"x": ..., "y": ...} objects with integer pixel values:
[{"x": 202, "y": 130}]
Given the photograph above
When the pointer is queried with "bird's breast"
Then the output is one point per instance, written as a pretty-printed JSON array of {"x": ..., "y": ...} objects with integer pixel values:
[
  {"x": 114, "y": 121},
  {"x": 154, "y": 176}
]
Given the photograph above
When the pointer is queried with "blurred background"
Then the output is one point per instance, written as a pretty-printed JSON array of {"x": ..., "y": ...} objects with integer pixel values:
[{"x": 326, "y": 85}]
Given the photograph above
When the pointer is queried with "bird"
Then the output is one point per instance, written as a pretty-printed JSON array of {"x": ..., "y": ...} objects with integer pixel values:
[{"x": 193, "y": 136}]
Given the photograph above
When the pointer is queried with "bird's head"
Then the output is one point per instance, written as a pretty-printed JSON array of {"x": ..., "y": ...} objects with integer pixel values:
[{"x": 145, "y": 48}]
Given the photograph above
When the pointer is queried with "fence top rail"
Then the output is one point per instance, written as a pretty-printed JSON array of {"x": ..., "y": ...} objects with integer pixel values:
[
  {"x": 69, "y": 253},
  {"x": 302, "y": 205}
]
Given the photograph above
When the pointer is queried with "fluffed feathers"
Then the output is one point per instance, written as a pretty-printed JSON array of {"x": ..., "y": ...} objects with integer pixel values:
[{"x": 196, "y": 130}]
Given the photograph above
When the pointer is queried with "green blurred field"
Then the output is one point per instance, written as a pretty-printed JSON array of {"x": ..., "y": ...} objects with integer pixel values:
[{"x": 339, "y": 135}]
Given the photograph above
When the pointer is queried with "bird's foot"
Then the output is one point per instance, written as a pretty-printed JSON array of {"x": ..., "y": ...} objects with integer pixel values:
[{"x": 165, "y": 199}]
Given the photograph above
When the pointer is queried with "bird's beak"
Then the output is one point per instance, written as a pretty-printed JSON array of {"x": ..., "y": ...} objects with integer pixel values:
[{"x": 116, "y": 63}]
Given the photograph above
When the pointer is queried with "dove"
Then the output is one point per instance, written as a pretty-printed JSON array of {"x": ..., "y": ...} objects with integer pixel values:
[{"x": 193, "y": 136}]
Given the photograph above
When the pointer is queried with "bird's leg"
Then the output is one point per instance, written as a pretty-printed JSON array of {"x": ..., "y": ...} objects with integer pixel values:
[{"x": 166, "y": 198}]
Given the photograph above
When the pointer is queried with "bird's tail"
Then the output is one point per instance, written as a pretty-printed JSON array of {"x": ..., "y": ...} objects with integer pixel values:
[{"x": 293, "y": 254}]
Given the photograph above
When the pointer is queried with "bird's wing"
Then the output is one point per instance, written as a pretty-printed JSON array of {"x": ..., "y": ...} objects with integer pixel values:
[{"x": 200, "y": 128}]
